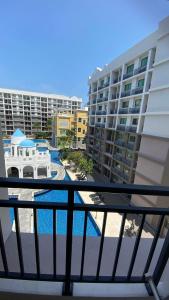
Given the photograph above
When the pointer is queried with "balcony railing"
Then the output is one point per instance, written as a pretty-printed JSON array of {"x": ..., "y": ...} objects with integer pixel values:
[
  {"x": 123, "y": 110},
  {"x": 100, "y": 112},
  {"x": 132, "y": 128},
  {"x": 103, "y": 99},
  {"x": 140, "y": 70},
  {"x": 120, "y": 143},
  {"x": 98, "y": 124},
  {"x": 134, "y": 110},
  {"x": 125, "y": 93},
  {"x": 137, "y": 90},
  {"x": 113, "y": 111},
  {"x": 121, "y": 127},
  {"x": 116, "y": 80},
  {"x": 81, "y": 273},
  {"x": 127, "y": 75},
  {"x": 115, "y": 96}
]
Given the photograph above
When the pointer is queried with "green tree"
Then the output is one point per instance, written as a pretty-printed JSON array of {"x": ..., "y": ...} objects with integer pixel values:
[
  {"x": 71, "y": 137},
  {"x": 86, "y": 166},
  {"x": 36, "y": 125}
]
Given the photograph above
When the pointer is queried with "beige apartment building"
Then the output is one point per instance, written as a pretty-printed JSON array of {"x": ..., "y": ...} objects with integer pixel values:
[
  {"x": 24, "y": 109},
  {"x": 128, "y": 134}
]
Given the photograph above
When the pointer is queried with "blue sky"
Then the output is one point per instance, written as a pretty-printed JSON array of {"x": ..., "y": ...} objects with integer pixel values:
[{"x": 54, "y": 45}]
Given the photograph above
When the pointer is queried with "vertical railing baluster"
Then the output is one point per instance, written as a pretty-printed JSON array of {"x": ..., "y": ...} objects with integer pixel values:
[
  {"x": 162, "y": 260},
  {"x": 83, "y": 245},
  {"x": 67, "y": 288},
  {"x": 3, "y": 252},
  {"x": 118, "y": 246},
  {"x": 36, "y": 242},
  {"x": 18, "y": 239},
  {"x": 153, "y": 246},
  {"x": 101, "y": 245},
  {"x": 54, "y": 243},
  {"x": 135, "y": 248}
]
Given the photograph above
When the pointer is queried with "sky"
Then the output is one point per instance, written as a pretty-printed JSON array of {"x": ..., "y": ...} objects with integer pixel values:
[{"x": 53, "y": 46}]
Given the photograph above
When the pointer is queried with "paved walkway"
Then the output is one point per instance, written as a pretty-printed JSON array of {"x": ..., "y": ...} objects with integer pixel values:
[
  {"x": 113, "y": 219},
  {"x": 25, "y": 214}
]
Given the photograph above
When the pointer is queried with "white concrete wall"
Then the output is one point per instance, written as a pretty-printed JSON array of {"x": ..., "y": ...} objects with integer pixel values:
[{"x": 4, "y": 212}]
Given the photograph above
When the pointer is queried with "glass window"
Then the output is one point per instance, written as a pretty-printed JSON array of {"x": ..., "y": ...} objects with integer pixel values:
[
  {"x": 132, "y": 138},
  {"x": 84, "y": 122},
  {"x": 123, "y": 121},
  {"x": 125, "y": 104},
  {"x": 130, "y": 69},
  {"x": 127, "y": 87},
  {"x": 27, "y": 152},
  {"x": 79, "y": 129},
  {"x": 79, "y": 119},
  {"x": 140, "y": 83},
  {"x": 100, "y": 107},
  {"x": 83, "y": 131},
  {"x": 12, "y": 151},
  {"x": 144, "y": 62},
  {"x": 137, "y": 103},
  {"x": 135, "y": 121}
]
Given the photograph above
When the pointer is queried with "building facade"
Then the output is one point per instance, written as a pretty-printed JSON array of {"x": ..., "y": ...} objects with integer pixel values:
[
  {"x": 25, "y": 110},
  {"x": 24, "y": 160},
  {"x": 76, "y": 121},
  {"x": 128, "y": 107}
]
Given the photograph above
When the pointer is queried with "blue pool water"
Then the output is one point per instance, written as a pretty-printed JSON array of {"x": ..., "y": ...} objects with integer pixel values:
[
  {"x": 45, "y": 217},
  {"x": 42, "y": 149},
  {"x": 45, "y": 224},
  {"x": 39, "y": 141}
]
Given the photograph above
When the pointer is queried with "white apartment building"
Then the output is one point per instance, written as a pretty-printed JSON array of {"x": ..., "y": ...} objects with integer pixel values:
[
  {"x": 128, "y": 103},
  {"x": 22, "y": 109}
]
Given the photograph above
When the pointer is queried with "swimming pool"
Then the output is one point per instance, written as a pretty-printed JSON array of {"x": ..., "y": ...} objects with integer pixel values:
[
  {"x": 42, "y": 149},
  {"x": 45, "y": 224},
  {"x": 45, "y": 217}
]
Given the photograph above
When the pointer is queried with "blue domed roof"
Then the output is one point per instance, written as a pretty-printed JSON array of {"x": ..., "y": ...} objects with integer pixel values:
[
  {"x": 27, "y": 144},
  {"x": 18, "y": 133}
]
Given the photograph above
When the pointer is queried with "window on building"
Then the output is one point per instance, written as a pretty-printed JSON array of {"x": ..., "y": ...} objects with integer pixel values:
[
  {"x": 123, "y": 121},
  {"x": 125, "y": 104},
  {"x": 27, "y": 152},
  {"x": 78, "y": 139},
  {"x": 99, "y": 120},
  {"x": 137, "y": 103},
  {"x": 101, "y": 95},
  {"x": 135, "y": 121},
  {"x": 83, "y": 131},
  {"x": 102, "y": 82},
  {"x": 127, "y": 87},
  {"x": 130, "y": 69},
  {"x": 100, "y": 107},
  {"x": 12, "y": 151},
  {"x": 132, "y": 138},
  {"x": 21, "y": 152},
  {"x": 144, "y": 62},
  {"x": 84, "y": 122},
  {"x": 79, "y": 119},
  {"x": 140, "y": 83},
  {"x": 79, "y": 129}
]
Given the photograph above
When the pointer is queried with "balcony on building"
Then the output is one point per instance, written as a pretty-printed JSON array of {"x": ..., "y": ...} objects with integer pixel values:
[
  {"x": 100, "y": 112},
  {"x": 129, "y": 71},
  {"x": 99, "y": 124}
]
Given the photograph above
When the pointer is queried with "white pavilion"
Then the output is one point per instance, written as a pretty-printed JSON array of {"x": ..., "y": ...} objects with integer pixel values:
[{"x": 24, "y": 160}]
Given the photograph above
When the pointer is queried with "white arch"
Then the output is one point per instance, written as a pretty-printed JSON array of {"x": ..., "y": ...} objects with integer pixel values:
[
  {"x": 42, "y": 171},
  {"x": 28, "y": 171},
  {"x": 13, "y": 172}
]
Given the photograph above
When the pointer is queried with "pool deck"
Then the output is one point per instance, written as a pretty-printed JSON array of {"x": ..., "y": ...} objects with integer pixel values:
[{"x": 113, "y": 219}]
